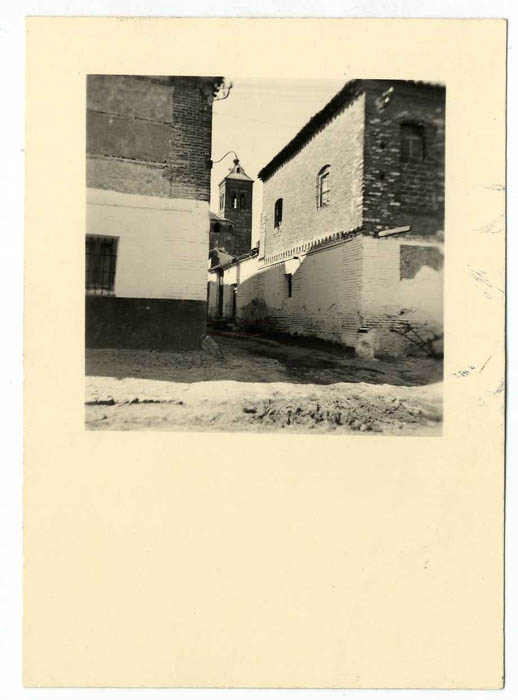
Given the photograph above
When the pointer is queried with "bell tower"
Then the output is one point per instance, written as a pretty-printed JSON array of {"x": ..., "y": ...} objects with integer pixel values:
[{"x": 235, "y": 204}]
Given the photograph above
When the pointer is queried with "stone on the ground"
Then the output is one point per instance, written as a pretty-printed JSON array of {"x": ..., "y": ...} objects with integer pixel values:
[{"x": 210, "y": 345}]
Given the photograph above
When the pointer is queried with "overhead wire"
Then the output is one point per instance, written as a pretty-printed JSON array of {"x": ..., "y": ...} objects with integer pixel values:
[{"x": 251, "y": 119}]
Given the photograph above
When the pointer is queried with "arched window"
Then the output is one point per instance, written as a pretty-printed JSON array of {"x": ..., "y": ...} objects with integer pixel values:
[
  {"x": 242, "y": 201},
  {"x": 412, "y": 142},
  {"x": 221, "y": 202},
  {"x": 277, "y": 213},
  {"x": 234, "y": 200},
  {"x": 323, "y": 187}
]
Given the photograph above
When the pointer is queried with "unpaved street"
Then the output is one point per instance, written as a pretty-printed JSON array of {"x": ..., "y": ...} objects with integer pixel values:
[{"x": 251, "y": 383}]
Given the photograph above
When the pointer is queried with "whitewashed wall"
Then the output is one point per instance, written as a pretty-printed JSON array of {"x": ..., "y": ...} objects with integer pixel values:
[
  {"x": 236, "y": 274},
  {"x": 325, "y": 297},
  {"x": 163, "y": 243},
  {"x": 386, "y": 298},
  {"x": 340, "y": 291},
  {"x": 247, "y": 268}
]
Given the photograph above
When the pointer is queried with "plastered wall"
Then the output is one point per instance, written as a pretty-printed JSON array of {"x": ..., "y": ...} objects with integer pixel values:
[
  {"x": 212, "y": 295},
  {"x": 236, "y": 274},
  {"x": 163, "y": 243},
  {"x": 402, "y": 284}
]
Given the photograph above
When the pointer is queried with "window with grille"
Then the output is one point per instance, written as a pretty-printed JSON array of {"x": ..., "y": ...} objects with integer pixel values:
[
  {"x": 277, "y": 214},
  {"x": 412, "y": 142},
  {"x": 323, "y": 187},
  {"x": 101, "y": 259}
]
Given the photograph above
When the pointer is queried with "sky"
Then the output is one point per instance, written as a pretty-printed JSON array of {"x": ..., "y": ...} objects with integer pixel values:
[{"x": 258, "y": 118}]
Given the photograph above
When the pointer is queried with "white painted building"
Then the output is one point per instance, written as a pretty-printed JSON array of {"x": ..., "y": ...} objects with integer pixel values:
[
  {"x": 223, "y": 282},
  {"x": 147, "y": 216}
]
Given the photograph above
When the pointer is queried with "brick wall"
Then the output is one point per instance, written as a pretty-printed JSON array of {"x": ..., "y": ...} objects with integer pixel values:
[
  {"x": 338, "y": 144},
  {"x": 398, "y": 193},
  {"x": 150, "y": 135},
  {"x": 241, "y": 217},
  {"x": 148, "y": 184},
  {"x": 191, "y": 144},
  {"x": 356, "y": 292},
  {"x": 325, "y": 297},
  {"x": 402, "y": 283}
]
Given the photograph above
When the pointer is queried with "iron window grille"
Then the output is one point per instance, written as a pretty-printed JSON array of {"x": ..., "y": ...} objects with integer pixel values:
[{"x": 101, "y": 260}]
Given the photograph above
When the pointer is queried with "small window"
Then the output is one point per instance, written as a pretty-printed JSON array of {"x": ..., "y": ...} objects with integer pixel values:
[
  {"x": 222, "y": 202},
  {"x": 412, "y": 143},
  {"x": 242, "y": 201},
  {"x": 230, "y": 228},
  {"x": 289, "y": 285},
  {"x": 323, "y": 187},
  {"x": 101, "y": 259},
  {"x": 216, "y": 227},
  {"x": 234, "y": 200},
  {"x": 277, "y": 218}
]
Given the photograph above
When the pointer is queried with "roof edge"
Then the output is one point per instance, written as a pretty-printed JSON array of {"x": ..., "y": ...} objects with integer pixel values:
[{"x": 343, "y": 98}]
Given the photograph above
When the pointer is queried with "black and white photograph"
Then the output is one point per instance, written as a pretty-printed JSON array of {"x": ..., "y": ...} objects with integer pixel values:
[
  {"x": 264, "y": 254},
  {"x": 264, "y": 353}
]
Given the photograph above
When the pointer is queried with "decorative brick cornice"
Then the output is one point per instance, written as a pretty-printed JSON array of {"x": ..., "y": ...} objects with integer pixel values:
[{"x": 320, "y": 243}]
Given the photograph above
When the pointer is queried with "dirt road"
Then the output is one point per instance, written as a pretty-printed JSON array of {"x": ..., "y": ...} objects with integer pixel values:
[{"x": 251, "y": 383}]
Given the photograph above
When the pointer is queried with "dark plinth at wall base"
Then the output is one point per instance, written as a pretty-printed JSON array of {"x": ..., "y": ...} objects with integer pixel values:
[{"x": 154, "y": 324}]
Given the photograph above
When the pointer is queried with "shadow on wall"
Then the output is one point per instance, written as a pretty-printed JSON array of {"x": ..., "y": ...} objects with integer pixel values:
[
  {"x": 317, "y": 308},
  {"x": 307, "y": 297},
  {"x": 252, "y": 316},
  {"x": 383, "y": 298}
]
